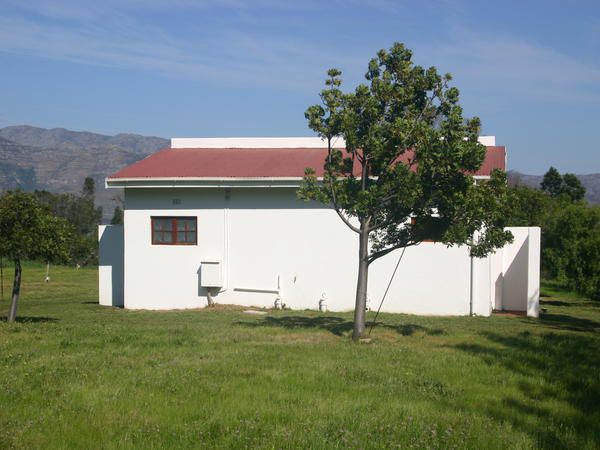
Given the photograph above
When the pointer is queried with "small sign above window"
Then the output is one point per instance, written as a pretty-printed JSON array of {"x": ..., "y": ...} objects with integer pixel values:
[{"x": 174, "y": 230}]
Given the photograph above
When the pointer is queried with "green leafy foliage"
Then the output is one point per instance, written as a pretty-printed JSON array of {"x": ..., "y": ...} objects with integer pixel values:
[
  {"x": 117, "y": 218},
  {"x": 78, "y": 210},
  {"x": 28, "y": 230},
  {"x": 570, "y": 235},
  {"x": 409, "y": 154},
  {"x": 89, "y": 187},
  {"x": 404, "y": 175},
  {"x": 82, "y": 214},
  {"x": 568, "y": 185}
]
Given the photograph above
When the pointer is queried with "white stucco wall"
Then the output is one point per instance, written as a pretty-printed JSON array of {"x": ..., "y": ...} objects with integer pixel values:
[
  {"x": 262, "y": 236},
  {"x": 267, "y": 239}
]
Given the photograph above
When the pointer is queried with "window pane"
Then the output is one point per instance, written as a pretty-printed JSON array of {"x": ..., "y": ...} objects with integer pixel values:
[
  {"x": 187, "y": 223},
  {"x": 163, "y": 224},
  {"x": 157, "y": 237},
  {"x": 191, "y": 237},
  {"x": 181, "y": 236}
]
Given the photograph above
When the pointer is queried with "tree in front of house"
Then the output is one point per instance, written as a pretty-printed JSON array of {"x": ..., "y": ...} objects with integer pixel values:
[
  {"x": 404, "y": 175},
  {"x": 555, "y": 184},
  {"x": 30, "y": 231}
]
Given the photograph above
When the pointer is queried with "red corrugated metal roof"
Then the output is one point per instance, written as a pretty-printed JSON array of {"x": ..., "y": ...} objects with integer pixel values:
[{"x": 250, "y": 163}]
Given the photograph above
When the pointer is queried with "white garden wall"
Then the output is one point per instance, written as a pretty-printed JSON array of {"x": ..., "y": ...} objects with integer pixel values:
[
  {"x": 110, "y": 265},
  {"x": 521, "y": 271},
  {"x": 268, "y": 240}
]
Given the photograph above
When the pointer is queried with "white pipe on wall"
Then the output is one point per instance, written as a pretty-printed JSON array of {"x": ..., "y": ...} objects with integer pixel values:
[{"x": 472, "y": 287}]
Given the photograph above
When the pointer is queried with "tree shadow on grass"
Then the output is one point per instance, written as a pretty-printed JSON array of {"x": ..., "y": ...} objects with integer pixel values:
[
  {"x": 581, "y": 304},
  {"x": 571, "y": 323},
  {"x": 30, "y": 319},
  {"x": 554, "y": 303},
  {"x": 558, "y": 401},
  {"x": 336, "y": 325}
]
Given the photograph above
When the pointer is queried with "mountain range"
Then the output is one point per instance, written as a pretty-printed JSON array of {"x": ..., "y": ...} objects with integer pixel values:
[{"x": 58, "y": 160}]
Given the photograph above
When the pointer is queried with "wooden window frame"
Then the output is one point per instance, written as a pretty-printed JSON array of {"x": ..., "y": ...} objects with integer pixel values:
[{"x": 174, "y": 231}]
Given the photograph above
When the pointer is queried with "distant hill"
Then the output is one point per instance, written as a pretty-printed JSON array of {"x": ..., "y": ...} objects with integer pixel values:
[
  {"x": 58, "y": 160},
  {"x": 591, "y": 182},
  {"x": 67, "y": 139}
]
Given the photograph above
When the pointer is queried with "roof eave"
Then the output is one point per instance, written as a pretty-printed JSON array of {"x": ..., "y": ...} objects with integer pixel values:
[
  {"x": 192, "y": 182},
  {"x": 224, "y": 182}
]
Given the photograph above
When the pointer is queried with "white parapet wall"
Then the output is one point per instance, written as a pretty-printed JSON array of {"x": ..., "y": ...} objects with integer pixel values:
[
  {"x": 110, "y": 265},
  {"x": 274, "y": 142}
]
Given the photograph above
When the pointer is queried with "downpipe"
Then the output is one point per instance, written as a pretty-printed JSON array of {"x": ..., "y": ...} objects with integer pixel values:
[{"x": 472, "y": 289}]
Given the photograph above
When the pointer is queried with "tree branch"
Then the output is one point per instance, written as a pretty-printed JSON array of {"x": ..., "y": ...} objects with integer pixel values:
[
  {"x": 378, "y": 254},
  {"x": 332, "y": 189}
]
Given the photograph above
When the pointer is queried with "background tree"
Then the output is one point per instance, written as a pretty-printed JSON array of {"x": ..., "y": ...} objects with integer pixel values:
[
  {"x": 117, "y": 218},
  {"x": 570, "y": 253},
  {"x": 568, "y": 184},
  {"x": 89, "y": 187},
  {"x": 81, "y": 212},
  {"x": 572, "y": 187},
  {"x": 552, "y": 183},
  {"x": 403, "y": 176},
  {"x": 28, "y": 230}
]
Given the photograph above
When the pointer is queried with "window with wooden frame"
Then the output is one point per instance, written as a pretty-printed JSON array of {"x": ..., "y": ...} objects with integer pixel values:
[{"x": 174, "y": 230}]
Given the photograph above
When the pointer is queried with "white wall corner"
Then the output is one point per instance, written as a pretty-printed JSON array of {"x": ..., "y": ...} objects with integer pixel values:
[{"x": 533, "y": 279}]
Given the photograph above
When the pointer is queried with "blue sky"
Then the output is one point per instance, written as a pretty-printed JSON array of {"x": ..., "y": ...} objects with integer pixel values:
[{"x": 529, "y": 69}]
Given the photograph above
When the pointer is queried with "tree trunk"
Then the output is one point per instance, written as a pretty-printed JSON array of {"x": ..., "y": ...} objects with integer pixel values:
[
  {"x": 12, "y": 314},
  {"x": 361, "y": 285}
]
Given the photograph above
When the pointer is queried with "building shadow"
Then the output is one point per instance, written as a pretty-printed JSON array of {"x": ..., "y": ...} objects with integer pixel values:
[{"x": 334, "y": 324}]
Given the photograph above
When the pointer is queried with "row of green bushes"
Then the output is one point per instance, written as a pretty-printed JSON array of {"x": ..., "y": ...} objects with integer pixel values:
[{"x": 570, "y": 234}]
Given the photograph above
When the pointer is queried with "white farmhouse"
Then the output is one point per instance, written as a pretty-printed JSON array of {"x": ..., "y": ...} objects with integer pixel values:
[{"x": 220, "y": 218}]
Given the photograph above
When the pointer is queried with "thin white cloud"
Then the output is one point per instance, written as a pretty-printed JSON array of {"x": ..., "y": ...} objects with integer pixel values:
[
  {"x": 507, "y": 65},
  {"x": 91, "y": 9},
  {"x": 248, "y": 59},
  {"x": 106, "y": 33}
]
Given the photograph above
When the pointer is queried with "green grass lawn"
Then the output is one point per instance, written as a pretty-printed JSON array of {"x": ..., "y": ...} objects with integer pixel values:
[{"x": 75, "y": 374}]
